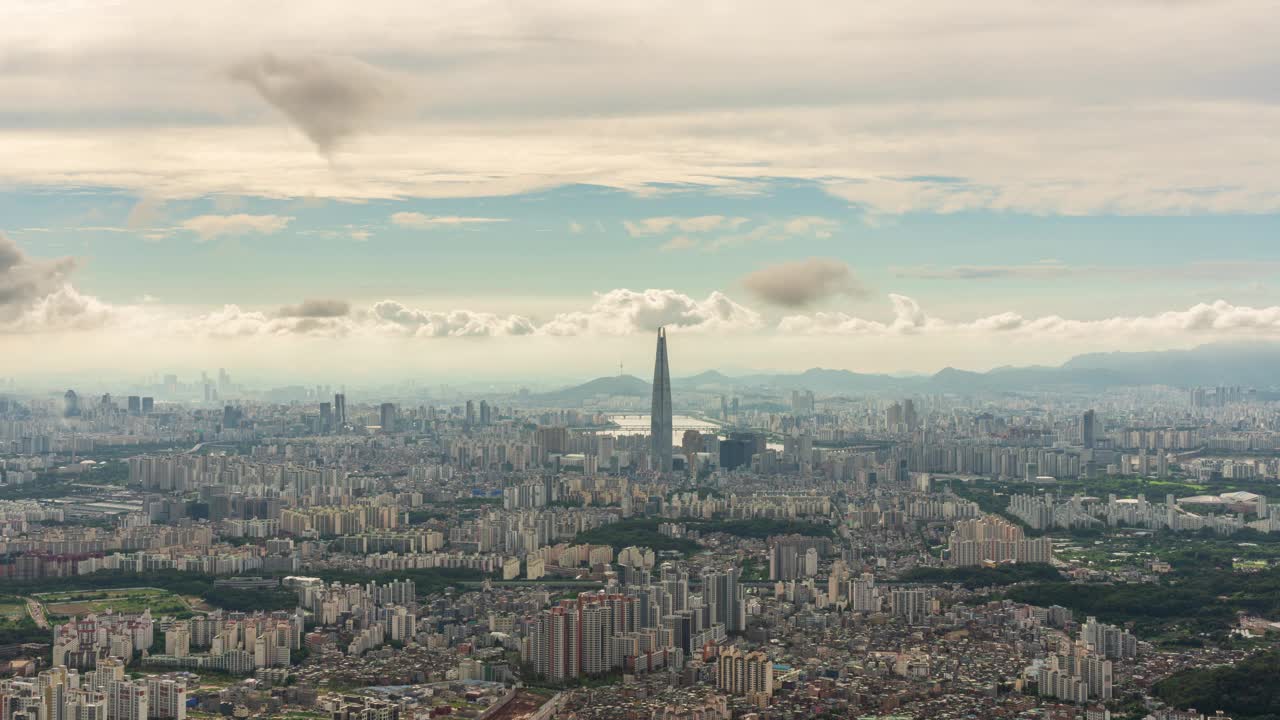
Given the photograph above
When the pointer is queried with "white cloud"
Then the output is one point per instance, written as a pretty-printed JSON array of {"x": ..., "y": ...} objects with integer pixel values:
[
  {"x": 209, "y": 227},
  {"x": 64, "y": 309},
  {"x": 420, "y": 220},
  {"x": 392, "y": 315},
  {"x": 697, "y": 224},
  {"x": 386, "y": 319},
  {"x": 811, "y": 226},
  {"x": 679, "y": 242},
  {"x": 715, "y": 232},
  {"x": 623, "y": 312},
  {"x": 1219, "y": 320}
]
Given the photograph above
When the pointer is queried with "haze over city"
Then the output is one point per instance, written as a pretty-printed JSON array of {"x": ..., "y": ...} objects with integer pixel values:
[{"x": 566, "y": 360}]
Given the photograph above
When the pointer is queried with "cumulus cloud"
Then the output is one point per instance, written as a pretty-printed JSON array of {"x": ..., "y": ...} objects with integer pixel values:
[
  {"x": 329, "y": 99},
  {"x": 455, "y": 323},
  {"x": 421, "y": 220},
  {"x": 617, "y": 312},
  {"x": 37, "y": 295},
  {"x": 232, "y": 321},
  {"x": 803, "y": 282},
  {"x": 61, "y": 310},
  {"x": 316, "y": 309},
  {"x": 622, "y": 312},
  {"x": 24, "y": 279},
  {"x": 209, "y": 227},
  {"x": 1207, "y": 321},
  {"x": 697, "y": 224}
]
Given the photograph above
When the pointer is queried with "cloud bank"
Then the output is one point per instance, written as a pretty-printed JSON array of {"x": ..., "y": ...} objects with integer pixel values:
[
  {"x": 1208, "y": 321},
  {"x": 41, "y": 309},
  {"x": 514, "y": 98}
]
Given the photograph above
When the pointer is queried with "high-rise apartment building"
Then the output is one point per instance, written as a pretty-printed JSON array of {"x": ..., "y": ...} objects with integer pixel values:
[
  {"x": 723, "y": 597},
  {"x": 743, "y": 673},
  {"x": 993, "y": 539}
]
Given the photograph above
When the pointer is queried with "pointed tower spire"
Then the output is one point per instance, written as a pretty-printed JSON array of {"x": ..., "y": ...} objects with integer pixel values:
[{"x": 660, "y": 423}]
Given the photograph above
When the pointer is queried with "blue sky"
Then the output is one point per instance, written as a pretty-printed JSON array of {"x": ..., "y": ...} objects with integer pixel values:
[
  {"x": 465, "y": 184},
  {"x": 569, "y": 242}
]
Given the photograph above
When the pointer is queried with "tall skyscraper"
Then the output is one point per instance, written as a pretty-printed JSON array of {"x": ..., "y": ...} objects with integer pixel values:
[
  {"x": 660, "y": 424},
  {"x": 1088, "y": 429},
  {"x": 326, "y": 417},
  {"x": 340, "y": 410},
  {"x": 722, "y": 594}
]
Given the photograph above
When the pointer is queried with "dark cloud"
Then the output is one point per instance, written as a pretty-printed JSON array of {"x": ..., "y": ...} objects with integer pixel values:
[
  {"x": 803, "y": 282},
  {"x": 329, "y": 98},
  {"x": 316, "y": 309},
  {"x": 25, "y": 280}
]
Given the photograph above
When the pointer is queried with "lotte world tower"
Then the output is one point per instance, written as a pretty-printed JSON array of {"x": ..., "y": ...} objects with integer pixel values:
[{"x": 660, "y": 429}]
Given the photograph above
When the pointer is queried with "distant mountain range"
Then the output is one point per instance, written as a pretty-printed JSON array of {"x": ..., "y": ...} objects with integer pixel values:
[
  {"x": 1255, "y": 365},
  {"x": 616, "y": 385}
]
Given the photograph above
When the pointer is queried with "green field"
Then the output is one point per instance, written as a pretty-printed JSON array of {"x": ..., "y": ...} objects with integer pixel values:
[
  {"x": 121, "y": 600},
  {"x": 12, "y": 612}
]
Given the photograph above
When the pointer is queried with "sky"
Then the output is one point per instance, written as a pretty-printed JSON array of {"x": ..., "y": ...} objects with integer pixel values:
[{"x": 394, "y": 189}]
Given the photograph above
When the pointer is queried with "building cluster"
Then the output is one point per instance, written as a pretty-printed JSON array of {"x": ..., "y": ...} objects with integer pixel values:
[
  {"x": 773, "y": 554},
  {"x": 106, "y": 693},
  {"x": 640, "y": 628},
  {"x": 230, "y": 642},
  {"x": 85, "y": 641},
  {"x": 1224, "y": 514},
  {"x": 992, "y": 539}
]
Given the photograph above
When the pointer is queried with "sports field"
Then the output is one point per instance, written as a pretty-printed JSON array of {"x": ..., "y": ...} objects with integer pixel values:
[{"x": 67, "y": 603}]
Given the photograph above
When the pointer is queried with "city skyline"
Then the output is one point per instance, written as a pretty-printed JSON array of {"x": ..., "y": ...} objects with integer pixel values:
[{"x": 326, "y": 331}]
